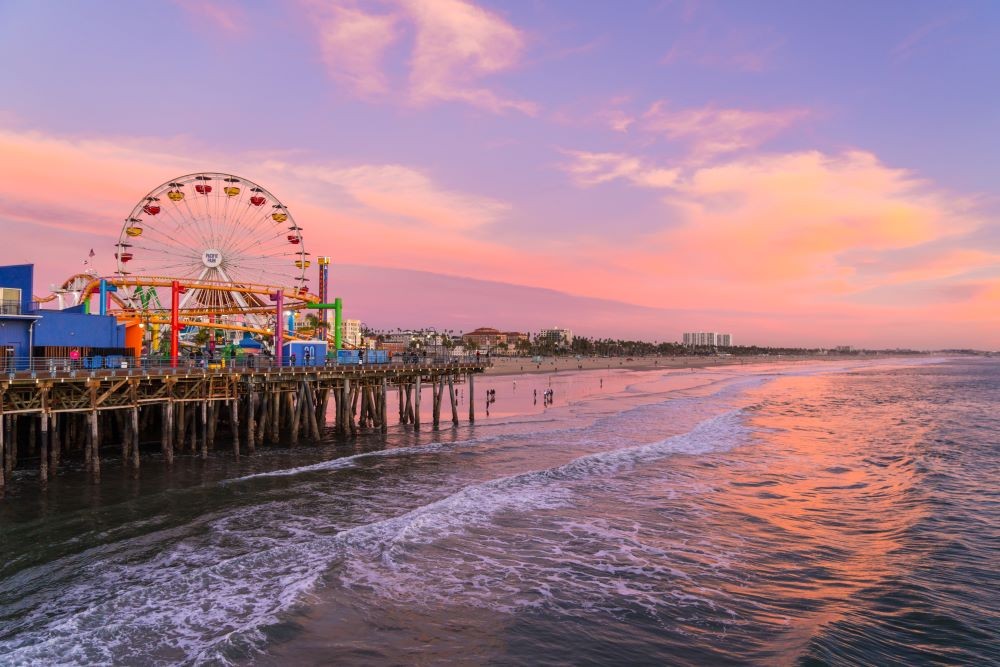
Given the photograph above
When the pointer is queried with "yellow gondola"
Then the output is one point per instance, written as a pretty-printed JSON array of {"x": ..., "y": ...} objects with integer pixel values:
[
  {"x": 279, "y": 217},
  {"x": 302, "y": 264},
  {"x": 175, "y": 195},
  {"x": 232, "y": 190},
  {"x": 133, "y": 231}
]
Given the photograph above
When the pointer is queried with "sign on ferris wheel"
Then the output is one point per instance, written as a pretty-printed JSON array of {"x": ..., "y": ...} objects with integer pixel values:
[{"x": 216, "y": 229}]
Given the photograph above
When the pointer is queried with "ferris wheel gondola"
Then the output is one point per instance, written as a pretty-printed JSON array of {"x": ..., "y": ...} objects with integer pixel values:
[{"x": 213, "y": 227}]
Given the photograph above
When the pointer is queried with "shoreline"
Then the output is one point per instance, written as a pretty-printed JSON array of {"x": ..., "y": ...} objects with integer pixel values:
[{"x": 523, "y": 365}]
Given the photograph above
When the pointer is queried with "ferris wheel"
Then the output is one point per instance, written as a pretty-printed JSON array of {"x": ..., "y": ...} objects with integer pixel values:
[{"x": 213, "y": 228}]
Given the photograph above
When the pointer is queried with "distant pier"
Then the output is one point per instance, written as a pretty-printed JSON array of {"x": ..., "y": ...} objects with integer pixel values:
[{"x": 49, "y": 415}]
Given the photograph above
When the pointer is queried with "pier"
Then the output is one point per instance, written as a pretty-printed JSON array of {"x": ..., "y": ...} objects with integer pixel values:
[{"x": 47, "y": 416}]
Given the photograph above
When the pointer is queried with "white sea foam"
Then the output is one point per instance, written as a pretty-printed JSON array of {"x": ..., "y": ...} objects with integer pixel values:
[{"x": 198, "y": 595}]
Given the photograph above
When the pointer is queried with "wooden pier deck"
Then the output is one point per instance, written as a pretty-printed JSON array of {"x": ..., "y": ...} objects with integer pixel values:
[{"x": 47, "y": 416}]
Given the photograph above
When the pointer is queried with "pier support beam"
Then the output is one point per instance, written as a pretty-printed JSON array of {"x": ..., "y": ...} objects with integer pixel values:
[
  {"x": 135, "y": 438},
  {"x": 167, "y": 438},
  {"x": 234, "y": 419},
  {"x": 454, "y": 402},
  {"x": 251, "y": 429},
  {"x": 3, "y": 448},
  {"x": 472, "y": 398},
  {"x": 95, "y": 448},
  {"x": 385, "y": 405},
  {"x": 204, "y": 429},
  {"x": 55, "y": 446},
  {"x": 43, "y": 466},
  {"x": 416, "y": 404}
]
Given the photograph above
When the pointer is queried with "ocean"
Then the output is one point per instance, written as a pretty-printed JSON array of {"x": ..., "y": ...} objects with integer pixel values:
[{"x": 808, "y": 513}]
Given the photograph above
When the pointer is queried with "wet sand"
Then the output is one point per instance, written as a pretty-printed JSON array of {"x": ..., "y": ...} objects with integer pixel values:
[{"x": 519, "y": 365}]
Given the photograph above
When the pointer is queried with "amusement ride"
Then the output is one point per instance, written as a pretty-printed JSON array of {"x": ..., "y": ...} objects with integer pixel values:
[{"x": 226, "y": 251}]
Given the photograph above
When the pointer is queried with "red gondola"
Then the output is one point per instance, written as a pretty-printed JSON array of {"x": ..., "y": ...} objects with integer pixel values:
[
  {"x": 257, "y": 200},
  {"x": 151, "y": 209},
  {"x": 124, "y": 256},
  {"x": 202, "y": 189},
  {"x": 292, "y": 238}
]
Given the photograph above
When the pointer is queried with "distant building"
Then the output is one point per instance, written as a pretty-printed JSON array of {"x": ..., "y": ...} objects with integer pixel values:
[
  {"x": 514, "y": 337},
  {"x": 350, "y": 332},
  {"x": 557, "y": 337},
  {"x": 484, "y": 337},
  {"x": 708, "y": 339}
]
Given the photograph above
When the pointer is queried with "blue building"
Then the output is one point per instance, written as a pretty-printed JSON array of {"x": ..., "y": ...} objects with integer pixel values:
[
  {"x": 27, "y": 332},
  {"x": 17, "y": 319},
  {"x": 307, "y": 353}
]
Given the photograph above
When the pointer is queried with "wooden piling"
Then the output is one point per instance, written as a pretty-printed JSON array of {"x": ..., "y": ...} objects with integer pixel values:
[
  {"x": 472, "y": 401},
  {"x": 135, "y": 438},
  {"x": 437, "y": 386},
  {"x": 43, "y": 467},
  {"x": 234, "y": 420},
  {"x": 95, "y": 448},
  {"x": 454, "y": 402},
  {"x": 204, "y": 428},
  {"x": 3, "y": 447},
  {"x": 416, "y": 406},
  {"x": 251, "y": 428},
  {"x": 385, "y": 404},
  {"x": 55, "y": 447},
  {"x": 167, "y": 439}
]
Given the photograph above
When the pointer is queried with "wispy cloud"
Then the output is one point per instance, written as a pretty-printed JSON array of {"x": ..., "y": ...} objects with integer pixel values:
[
  {"x": 743, "y": 49},
  {"x": 710, "y": 131},
  {"x": 589, "y": 169},
  {"x": 353, "y": 43},
  {"x": 456, "y": 46},
  {"x": 221, "y": 15},
  {"x": 907, "y": 46}
]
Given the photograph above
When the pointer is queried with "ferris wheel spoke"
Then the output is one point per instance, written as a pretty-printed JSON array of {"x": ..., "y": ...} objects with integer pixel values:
[
  {"x": 256, "y": 243},
  {"x": 249, "y": 231},
  {"x": 253, "y": 247}
]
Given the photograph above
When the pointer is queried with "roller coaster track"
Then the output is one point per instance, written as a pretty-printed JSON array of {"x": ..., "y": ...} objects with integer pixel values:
[{"x": 294, "y": 300}]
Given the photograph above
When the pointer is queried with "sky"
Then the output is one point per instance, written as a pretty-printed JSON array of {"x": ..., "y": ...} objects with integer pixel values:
[{"x": 807, "y": 174}]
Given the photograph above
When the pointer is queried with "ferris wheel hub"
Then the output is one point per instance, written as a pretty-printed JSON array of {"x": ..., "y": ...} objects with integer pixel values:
[{"x": 211, "y": 258}]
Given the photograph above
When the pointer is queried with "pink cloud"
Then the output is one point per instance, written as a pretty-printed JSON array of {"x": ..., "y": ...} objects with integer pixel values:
[
  {"x": 744, "y": 49},
  {"x": 710, "y": 131},
  {"x": 458, "y": 43},
  {"x": 776, "y": 230},
  {"x": 589, "y": 169},
  {"x": 222, "y": 15},
  {"x": 353, "y": 43},
  {"x": 455, "y": 46}
]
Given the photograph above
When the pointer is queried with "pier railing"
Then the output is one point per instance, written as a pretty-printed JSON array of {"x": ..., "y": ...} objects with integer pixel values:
[{"x": 20, "y": 367}]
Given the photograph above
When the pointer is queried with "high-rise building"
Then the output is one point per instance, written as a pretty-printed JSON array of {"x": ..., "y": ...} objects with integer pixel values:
[
  {"x": 350, "y": 332},
  {"x": 708, "y": 338},
  {"x": 558, "y": 337}
]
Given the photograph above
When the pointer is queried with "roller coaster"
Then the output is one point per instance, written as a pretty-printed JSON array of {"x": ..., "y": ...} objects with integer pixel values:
[{"x": 227, "y": 252}]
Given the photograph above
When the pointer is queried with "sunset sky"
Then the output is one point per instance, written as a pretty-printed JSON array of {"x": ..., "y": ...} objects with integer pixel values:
[{"x": 797, "y": 173}]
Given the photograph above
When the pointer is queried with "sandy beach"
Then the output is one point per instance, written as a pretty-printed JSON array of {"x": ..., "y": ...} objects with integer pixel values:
[{"x": 519, "y": 365}]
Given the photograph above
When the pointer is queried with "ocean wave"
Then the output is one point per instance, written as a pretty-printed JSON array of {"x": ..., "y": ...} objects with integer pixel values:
[{"x": 208, "y": 595}]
